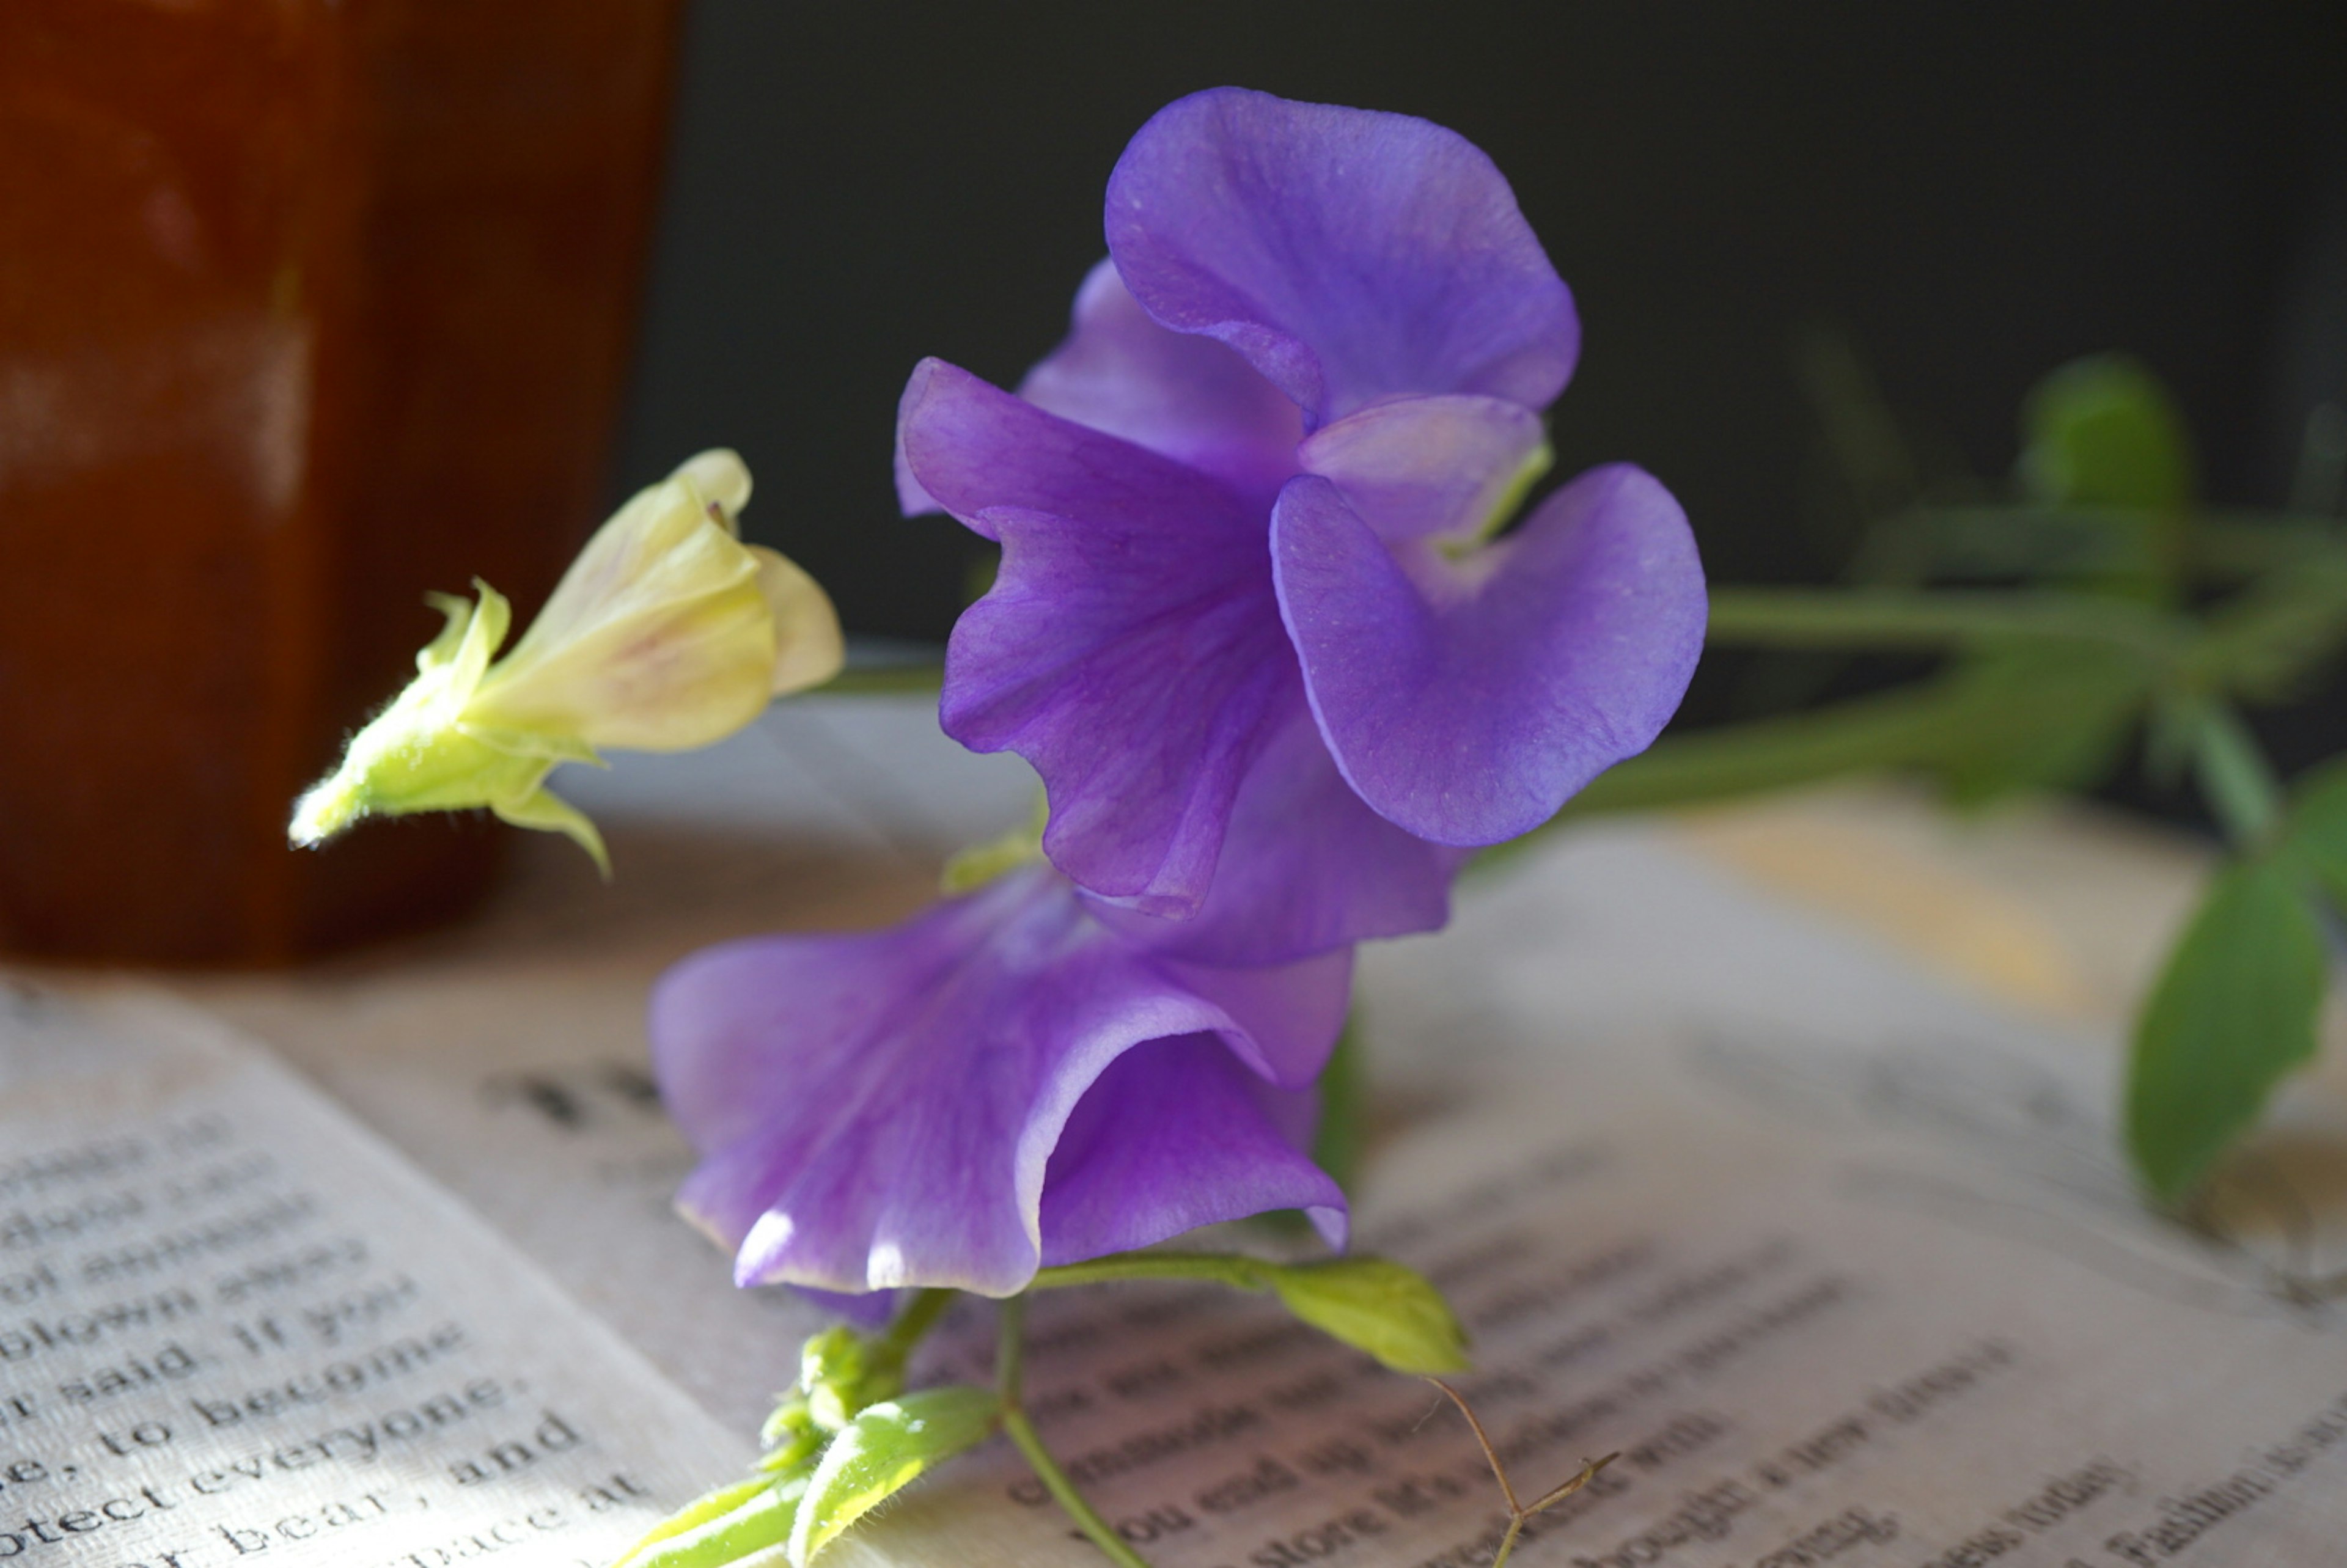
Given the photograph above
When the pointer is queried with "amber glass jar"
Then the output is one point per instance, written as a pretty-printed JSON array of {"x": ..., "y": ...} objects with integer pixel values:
[{"x": 305, "y": 307}]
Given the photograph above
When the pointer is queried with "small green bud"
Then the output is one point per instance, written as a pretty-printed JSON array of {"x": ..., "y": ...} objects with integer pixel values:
[
  {"x": 841, "y": 1372},
  {"x": 883, "y": 1450},
  {"x": 1375, "y": 1305}
]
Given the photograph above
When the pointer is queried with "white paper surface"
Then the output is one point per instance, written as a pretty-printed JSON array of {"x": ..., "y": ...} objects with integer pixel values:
[
  {"x": 234, "y": 1329},
  {"x": 1843, "y": 1261}
]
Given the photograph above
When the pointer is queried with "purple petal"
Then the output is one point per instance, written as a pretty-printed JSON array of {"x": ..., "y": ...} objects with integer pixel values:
[
  {"x": 1291, "y": 1013},
  {"x": 1348, "y": 255},
  {"x": 1307, "y": 866},
  {"x": 882, "y": 1110},
  {"x": 1467, "y": 701},
  {"x": 1187, "y": 397},
  {"x": 1415, "y": 466},
  {"x": 1174, "y": 1135},
  {"x": 1131, "y": 648},
  {"x": 1138, "y": 663},
  {"x": 969, "y": 447}
]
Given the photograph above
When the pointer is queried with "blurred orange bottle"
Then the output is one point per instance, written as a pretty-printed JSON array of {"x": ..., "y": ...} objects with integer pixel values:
[{"x": 305, "y": 307}]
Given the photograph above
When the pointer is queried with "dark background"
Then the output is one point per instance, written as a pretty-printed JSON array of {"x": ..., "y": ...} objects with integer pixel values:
[{"x": 1973, "y": 193}]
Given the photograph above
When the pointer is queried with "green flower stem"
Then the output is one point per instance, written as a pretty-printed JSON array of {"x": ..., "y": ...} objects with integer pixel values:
[
  {"x": 2234, "y": 775},
  {"x": 913, "y": 1324},
  {"x": 880, "y": 680},
  {"x": 2240, "y": 544},
  {"x": 1223, "y": 1268},
  {"x": 1892, "y": 617},
  {"x": 1009, "y": 1365}
]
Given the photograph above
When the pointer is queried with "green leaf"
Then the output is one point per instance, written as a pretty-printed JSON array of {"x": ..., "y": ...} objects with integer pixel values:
[
  {"x": 722, "y": 1526},
  {"x": 1375, "y": 1305},
  {"x": 883, "y": 1450},
  {"x": 2232, "y": 1014},
  {"x": 2102, "y": 431}
]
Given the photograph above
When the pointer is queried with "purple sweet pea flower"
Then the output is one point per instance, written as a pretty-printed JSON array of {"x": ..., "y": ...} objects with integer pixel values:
[
  {"x": 999, "y": 1083},
  {"x": 1247, "y": 626}
]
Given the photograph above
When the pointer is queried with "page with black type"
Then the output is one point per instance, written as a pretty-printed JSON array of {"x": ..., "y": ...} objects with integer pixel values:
[
  {"x": 236, "y": 1328},
  {"x": 1843, "y": 1262}
]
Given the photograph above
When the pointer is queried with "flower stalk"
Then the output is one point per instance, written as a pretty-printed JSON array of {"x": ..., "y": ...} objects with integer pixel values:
[
  {"x": 1009, "y": 1367},
  {"x": 2235, "y": 777}
]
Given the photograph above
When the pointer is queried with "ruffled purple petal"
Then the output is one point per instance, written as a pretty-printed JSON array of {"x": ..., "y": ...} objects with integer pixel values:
[
  {"x": 969, "y": 447},
  {"x": 1290, "y": 1013},
  {"x": 1129, "y": 649},
  {"x": 1307, "y": 866},
  {"x": 883, "y": 1110},
  {"x": 1184, "y": 396},
  {"x": 1466, "y": 701},
  {"x": 1348, "y": 255},
  {"x": 1418, "y": 467},
  {"x": 1174, "y": 1135},
  {"x": 1138, "y": 670}
]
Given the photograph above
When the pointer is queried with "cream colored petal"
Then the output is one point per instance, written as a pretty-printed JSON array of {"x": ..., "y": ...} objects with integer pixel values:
[
  {"x": 660, "y": 545},
  {"x": 664, "y": 676},
  {"x": 536, "y": 744},
  {"x": 721, "y": 475},
  {"x": 656, "y": 640},
  {"x": 808, "y": 647}
]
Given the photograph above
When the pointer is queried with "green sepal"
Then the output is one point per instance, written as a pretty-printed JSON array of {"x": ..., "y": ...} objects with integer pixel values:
[
  {"x": 724, "y": 1526},
  {"x": 883, "y": 1450},
  {"x": 1375, "y": 1305},
  {"x": 542, "y": 809},
  {"x": 2233, "y": 1013}
]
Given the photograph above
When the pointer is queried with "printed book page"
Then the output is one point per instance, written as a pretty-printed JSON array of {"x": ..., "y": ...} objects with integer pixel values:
[
  {"x": 236, "y": 1328},
  {"x": 1844, "y": 1264},
  {"x": 1840, "y": 1259}
]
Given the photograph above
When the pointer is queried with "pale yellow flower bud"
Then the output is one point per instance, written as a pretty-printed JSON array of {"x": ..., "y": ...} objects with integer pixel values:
[{"x": 666, "y": 633}]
